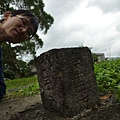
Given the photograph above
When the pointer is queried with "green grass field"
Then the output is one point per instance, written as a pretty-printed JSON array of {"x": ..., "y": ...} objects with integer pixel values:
[{"x": 22, "y": 87}]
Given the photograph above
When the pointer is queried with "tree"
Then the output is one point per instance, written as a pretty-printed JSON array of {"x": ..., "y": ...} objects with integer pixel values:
[
  {"x": 95, "y": 58},
  {"x": 13, "y": 67},
  {"x": 28, "y": 47},
  {"x": 45, "y": 20}
]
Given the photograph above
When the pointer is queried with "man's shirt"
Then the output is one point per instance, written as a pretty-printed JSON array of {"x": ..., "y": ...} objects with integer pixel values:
[{"x": 2, "y": 83}]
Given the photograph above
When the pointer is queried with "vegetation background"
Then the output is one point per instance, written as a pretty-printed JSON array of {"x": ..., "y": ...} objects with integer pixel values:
[{"x": 107, "y": 77}]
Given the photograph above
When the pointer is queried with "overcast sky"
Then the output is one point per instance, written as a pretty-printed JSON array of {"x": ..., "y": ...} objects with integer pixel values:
[{"x": 92, "y": 23}]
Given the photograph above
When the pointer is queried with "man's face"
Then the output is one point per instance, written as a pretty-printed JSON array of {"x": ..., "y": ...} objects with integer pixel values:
[{"x": 17, "y": 28}]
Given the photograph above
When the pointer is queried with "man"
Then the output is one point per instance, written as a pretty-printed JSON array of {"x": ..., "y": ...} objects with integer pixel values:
[{"x": 15, "y": 27}]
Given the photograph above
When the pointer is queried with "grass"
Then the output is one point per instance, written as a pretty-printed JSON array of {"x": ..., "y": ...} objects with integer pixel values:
[
  {"x": 107, "y": 77},
  {"x": 18, "y": 88}
]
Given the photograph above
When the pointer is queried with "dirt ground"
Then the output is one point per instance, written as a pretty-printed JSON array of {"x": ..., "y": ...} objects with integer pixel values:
[
  {"x": 9, "y": 108},
  {"x": 30, "y": 108}
]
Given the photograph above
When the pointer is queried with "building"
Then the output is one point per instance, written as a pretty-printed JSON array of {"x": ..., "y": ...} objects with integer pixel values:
[{"x": 101, "y": 56}]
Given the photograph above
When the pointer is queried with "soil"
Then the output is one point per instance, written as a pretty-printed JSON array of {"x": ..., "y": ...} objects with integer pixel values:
[{"x": 30, "y": 108}]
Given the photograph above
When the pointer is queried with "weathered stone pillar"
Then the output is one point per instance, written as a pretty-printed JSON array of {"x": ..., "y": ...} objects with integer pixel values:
[{"x": 67, "y": 80}]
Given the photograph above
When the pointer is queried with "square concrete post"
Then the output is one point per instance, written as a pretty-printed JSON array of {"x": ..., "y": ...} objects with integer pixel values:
[{"x": 67, "y": 80}]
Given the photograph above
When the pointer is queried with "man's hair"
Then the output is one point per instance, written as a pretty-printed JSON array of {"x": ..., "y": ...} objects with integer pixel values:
[{"x": 33, "y": 19}]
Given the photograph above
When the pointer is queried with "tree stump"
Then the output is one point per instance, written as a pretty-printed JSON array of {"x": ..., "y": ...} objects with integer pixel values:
[{"x": 67, "y": 80}]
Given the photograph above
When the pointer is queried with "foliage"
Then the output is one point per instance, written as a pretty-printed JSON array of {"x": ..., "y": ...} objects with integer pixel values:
[
  {"x": 108, "y": 75},
  {"x": 13, "y": 67},
  {"x": 30, "y": 90},
  {"x": 118, "y": 92},
  {"x": 95, "y": 58},
  {"x": 22, "y": 87},
  {"x": 45, "y": 20},
  {"x": 28, "y": 47}
]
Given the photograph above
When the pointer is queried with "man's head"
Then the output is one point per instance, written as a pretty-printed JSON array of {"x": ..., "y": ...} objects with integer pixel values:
[{"x": 19, "y": 25}]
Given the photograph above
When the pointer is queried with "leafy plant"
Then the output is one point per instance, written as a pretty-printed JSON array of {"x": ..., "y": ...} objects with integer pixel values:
[
  {"x": 108, "y": 76},
  {"x": 30, "y": 90},
  {"x": 22, "y": 87},
  {"x": 95, "y": 58},
  {"x": 118, "y": 92}
]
